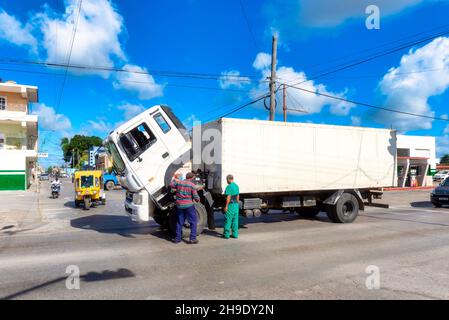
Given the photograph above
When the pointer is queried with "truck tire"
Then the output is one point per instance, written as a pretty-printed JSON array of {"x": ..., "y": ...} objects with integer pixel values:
[
  {"x": 87, "y": 203},
  {"x": 308, "y": 212},
  {"x": 110, "y": 185},
  {"x": 162, "y": 220},
  {"x": 345, "y": 210},
  {"x": 201, "y": 214}
]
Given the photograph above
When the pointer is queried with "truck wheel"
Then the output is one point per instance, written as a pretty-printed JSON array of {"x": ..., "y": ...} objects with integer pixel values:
[
  {"x": 308, "y": 212},
  {"x": 201, "y": 215},
  {"x": 264, "y": 210},
  {"x": 345, "y": 210},
  {"x": 162, "y": 221},
  {"x": 436, "y": 205},
  {"x": 87, "y": 203},
  {"x": 110, "y": 185}
]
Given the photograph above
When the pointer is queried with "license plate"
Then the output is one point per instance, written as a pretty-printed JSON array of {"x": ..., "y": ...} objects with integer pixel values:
[{"x": 443, "y": 199}]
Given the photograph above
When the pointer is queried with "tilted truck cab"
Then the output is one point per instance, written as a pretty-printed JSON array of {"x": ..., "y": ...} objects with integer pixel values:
[{"x": 146, "y": 152}]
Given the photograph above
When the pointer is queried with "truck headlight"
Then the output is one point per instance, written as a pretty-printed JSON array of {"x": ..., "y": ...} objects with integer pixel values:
[{"x": 137, "y": 199}]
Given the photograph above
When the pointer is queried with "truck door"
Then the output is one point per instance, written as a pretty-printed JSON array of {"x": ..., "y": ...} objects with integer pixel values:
[{"x": 147, "y": 154}]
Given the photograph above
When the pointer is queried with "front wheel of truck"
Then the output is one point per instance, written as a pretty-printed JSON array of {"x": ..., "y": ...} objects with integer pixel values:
[{"x": 201, "y": 214}]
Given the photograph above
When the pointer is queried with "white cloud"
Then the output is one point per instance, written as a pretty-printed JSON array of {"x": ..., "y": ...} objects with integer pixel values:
[
  {"x": 262, "y": 61},
  {"x": 131, "y": 110},
  {"x": 232, "y": 79},
  {"x": 96, "y": 43},
  {"x": 50, "y": 120},
  {"x": 446, "y": 130},
  {"x": 410, "y": 93},
  {"x": 356, "y": 121},
  {"x": 311, "y": 103},
  {"x": 13, "y": 31},
  {"x": 100, "y": 126},
  {"x": 139, "y": 81},
  {"x": 97, "y": 35}
]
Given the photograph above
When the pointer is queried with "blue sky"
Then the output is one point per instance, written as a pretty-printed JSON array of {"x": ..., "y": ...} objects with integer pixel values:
[{"x": 214, "y": 38}]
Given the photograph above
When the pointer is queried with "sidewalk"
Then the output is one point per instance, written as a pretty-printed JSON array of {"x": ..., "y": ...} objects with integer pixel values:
[{"x": 19, "y": 210}]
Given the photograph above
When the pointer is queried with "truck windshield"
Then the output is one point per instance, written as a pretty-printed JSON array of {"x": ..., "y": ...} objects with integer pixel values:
[
  {"x": 137, "y": 141},
  {"x": 119, "y": 165}
]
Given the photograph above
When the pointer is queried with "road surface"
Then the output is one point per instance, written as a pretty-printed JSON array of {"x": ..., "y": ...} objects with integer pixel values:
[{"x": 402, "y": 252}]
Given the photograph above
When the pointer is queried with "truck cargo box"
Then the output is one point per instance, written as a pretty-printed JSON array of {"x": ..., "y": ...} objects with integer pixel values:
[{"x": 269, "y": 157}]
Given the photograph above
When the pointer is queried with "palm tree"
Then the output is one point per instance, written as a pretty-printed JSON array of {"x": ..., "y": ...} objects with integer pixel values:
[{"x": 66, "y": 148}]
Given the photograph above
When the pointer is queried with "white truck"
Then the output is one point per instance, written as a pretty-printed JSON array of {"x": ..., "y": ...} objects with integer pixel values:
[{"x": 299, "y": 167}]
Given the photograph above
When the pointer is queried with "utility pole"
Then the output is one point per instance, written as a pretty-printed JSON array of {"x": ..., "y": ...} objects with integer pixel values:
[
  {"x": 285, "y": 103},
  {"x": 273, "y": 78}
]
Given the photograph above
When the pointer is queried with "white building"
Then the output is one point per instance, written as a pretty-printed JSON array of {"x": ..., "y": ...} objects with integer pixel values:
[
  {"x": 416, "y": 160},
  {"x": 18, "y": 136}
]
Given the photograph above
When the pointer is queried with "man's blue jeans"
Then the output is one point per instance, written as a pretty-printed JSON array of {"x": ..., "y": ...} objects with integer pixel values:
[{"x": 183, "y": 214}]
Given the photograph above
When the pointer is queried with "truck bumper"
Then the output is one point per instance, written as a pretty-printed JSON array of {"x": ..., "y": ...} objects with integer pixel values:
[{"x": 137, "y": 212}]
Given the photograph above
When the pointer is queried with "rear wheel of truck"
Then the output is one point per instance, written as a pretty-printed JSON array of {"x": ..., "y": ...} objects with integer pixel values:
[
  {"x": 110, "y": 185},
  {"x": 201, "y": 214},
  {"x": 345, "y": 210},
  {"x": 308, "y": 212}
]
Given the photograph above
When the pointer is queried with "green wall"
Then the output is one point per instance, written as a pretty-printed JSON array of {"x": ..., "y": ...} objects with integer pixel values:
[{"x": 12, "y": 180}]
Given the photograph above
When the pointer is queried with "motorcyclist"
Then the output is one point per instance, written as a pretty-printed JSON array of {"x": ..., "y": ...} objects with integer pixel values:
[{"x": 56, "y": 183}]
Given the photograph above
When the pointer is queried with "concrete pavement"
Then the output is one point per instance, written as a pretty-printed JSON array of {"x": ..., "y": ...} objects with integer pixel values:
[{"x": 279, "y": 256}]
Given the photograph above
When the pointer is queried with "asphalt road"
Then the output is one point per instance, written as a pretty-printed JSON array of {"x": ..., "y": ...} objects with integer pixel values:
[{"x": 279, "y": 256}]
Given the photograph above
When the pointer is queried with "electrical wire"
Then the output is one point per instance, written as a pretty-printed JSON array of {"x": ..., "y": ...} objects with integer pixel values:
[
  {"x": 367, "y": 104},
  {"x": 342, "y": 67}
]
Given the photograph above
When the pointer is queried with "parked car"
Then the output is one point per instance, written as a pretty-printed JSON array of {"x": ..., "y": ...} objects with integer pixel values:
[
  {"x": 440, "y": 195},
  {"x": 44, "y": 177},
  {"x": 110, "y": 181},
  {"x": 441, "y": 175}
]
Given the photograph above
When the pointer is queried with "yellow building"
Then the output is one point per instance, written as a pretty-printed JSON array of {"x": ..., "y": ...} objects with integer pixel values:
[{"x": 18, "y": 136}]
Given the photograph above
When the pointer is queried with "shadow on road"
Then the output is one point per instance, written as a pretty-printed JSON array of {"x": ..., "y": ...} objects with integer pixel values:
[
  {"x": 88, "y": 277},
  {"x": 421, "y": 204}
]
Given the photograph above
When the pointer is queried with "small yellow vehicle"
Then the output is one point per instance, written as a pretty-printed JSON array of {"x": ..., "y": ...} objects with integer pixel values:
[{"x": 89, "y": 188}]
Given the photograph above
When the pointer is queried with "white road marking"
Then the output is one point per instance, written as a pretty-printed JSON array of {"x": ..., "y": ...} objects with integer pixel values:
[
  {"x": 417, "y": 209},
  {"x": 57, "y": 209}
]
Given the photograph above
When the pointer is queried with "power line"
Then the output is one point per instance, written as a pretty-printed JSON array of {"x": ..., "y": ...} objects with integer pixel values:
[
  {"x": 342, "y": 67},
  {"x": 75, "y": 26},
  {"x": 381, "y": 45},
  {"x": 367, "y": 104},
  {"x": 132, "y": 81},
  {"x": 248, "y": 25},
  {"x": 201, "y": 76}
]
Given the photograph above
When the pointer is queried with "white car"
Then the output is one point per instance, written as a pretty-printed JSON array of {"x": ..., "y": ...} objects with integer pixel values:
[{"x": 441, "y": 175}]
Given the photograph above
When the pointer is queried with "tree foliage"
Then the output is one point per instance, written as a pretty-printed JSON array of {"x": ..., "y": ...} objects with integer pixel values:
[
  {"x": 75, "y": 148},
  {"x": 445, "y": 159}
]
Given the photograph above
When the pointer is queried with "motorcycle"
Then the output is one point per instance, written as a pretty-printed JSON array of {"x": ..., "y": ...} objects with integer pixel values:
[{"x": 55, "y": 190}]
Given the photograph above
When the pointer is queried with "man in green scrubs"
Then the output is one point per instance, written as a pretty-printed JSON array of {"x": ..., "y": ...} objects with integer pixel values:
[{"x": 231, "y": 209}]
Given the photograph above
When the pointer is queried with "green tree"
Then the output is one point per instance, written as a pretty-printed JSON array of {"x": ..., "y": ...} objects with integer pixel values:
[
  {"x": 445, "y": 159},
  {"x": 49, "y": 169},
  {"x": 77, "y": 147}
]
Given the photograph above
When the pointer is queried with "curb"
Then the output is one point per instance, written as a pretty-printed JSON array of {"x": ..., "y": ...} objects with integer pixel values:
[{"x": 409, "y": 189}]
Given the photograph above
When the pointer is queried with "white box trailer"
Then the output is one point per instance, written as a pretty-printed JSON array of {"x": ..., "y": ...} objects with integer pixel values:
[
  {"x": 300, "y": 167},
  {"x": 273, "y": 157}
]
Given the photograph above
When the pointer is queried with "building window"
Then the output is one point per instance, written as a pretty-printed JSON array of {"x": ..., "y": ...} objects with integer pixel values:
[{"x": 2, "y": 103}]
